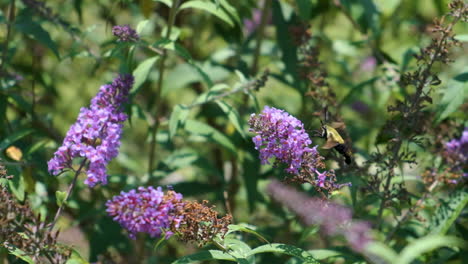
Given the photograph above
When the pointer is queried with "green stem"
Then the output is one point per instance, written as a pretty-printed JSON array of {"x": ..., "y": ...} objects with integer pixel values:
[
  {"x": 157, "y": 99},
  {"x": 260, "y": 34},
  {"x": 69, "y": 191},
  {"x": 251, "y": 85},
  {"x": 11, "y": 18}
]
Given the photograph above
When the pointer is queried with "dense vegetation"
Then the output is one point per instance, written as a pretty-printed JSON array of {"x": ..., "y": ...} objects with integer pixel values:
[{"x": 216, "y": 131}]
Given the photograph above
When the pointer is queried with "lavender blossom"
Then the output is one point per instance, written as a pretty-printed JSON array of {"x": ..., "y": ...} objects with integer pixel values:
[
  {"x": 459, "y": 147},
  {"x": 147, "y": 210},
  {"x": 125, "y": 33},
  {"x": 457, "y": 152},
  {"x": 280, "y": 135},
  {"x": 283, "y": 137},
  {"x": 251, "y": 24},
  {"x": 334, "y": 219},
  {"x": 96, "y": 133}
]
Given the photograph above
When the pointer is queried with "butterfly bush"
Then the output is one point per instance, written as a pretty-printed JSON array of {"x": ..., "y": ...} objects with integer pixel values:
[
  {"x": 125, "y": 33},
  {"x": 332, "y": 218},
  {"x": 147, "y": 210},
  {"x": 96, "y": 134},
  {"x": 283, "y": 137}
]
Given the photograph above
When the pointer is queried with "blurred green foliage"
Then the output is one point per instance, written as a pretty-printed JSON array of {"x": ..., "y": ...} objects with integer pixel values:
[{"x": 55, "y": 58}]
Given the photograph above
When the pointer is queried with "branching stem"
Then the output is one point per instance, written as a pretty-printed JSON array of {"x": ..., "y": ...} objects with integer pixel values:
[
  {"x": 69, "y": 192},
  {"x": 157, "y": 99}
]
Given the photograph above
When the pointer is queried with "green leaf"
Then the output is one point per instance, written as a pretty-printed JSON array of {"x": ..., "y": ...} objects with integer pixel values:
[
  {"x": 186, "y": 55},
  {"x": 177, "y": 119},
  {"x": 210, "y": 8},
  {"x": 245, "y": 228},
  {"x": 324, "y": 253},
  {"x": 34, "y": 30},
  {"x": 453, "y": 98},
  {"x": 233, "y": 116},
  {"x": 286, "y": 250},
  {"x": 141, "y": 73},
  {"x": 448, "y": 212},
  {"x": 382, "y": 251},
  {"x": 14, "y": 137},
  {"x": 17, "y": 184},
  {"x": 166, "y": 2},
  {"x": 210, "y": 133},
  {"x": 304, "y": 7},
  {"x": 462, "y": 37},
  {"x": 230, "y": 9},
  {"x": 425, "y": 244},
  {"x": 251, "y": 168},
  {"x": 216, "y": 90},
  {"x": 20, "y": 254},
  {"x": 76, "y": 258},
  {"x": 205, "y": 255},
  {"x": 60, "y": 197},
  {"x": 142, "y": 25},
  {"x": 387, "y": 7},
  {"x": 238, "y": 249}
]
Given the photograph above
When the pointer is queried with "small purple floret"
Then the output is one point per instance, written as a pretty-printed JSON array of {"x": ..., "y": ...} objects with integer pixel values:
[
  {"x": 125, "y": 33},
  {"x": 96, "y": 133},
  {"x": 146, "y": 210}
]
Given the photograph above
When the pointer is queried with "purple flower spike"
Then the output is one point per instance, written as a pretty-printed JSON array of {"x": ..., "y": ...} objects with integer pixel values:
[
  {"x": 125, "y": 33},
  {"x": 282, "y": 136},
  {"x": 147, "y": 210},
  {"x": 96, "y": 133}
]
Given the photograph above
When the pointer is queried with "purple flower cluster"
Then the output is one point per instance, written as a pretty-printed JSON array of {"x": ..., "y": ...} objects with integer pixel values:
[
  {"x": 457, "y": 150},
  {"x": 334, "y": 219},
  {"x": 459, "y": 147},
  {"x": 96, "y": 134},
  {"x": 147, "y": 210},
  {"x": 282, "y": 136},
  {"x": 125, "y": 33}
]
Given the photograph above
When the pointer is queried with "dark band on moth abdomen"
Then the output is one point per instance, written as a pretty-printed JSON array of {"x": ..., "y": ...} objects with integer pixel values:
[{"x": 344, "y": 150}]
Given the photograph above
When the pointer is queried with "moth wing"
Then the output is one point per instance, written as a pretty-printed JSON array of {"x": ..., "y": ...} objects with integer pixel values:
[
  {"x": 338, "y": 125},
  {"x": 334, "y": 136},
  {"x": 330, "y": 144}
]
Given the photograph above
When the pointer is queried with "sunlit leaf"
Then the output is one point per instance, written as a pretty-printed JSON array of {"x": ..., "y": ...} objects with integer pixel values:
[
  {"x": 177, "y": 119},
  {"x": 205, "y": 255},
  {"x": 424, "y": 245},
  {"x": 210, "y": 8},
  {"x": 448, "y": 212},
  {"x": 286, "y": 250},
  {"x": 142, "y": 71},
  {"x": 210, "y": 133}
]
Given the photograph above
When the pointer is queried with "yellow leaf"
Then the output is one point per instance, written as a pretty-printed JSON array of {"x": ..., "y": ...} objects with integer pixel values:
[{"x": 14, "y": 153}]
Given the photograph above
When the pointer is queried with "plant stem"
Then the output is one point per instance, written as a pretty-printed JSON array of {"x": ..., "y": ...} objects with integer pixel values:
[
  {"x": 412, "y": 109},
  {"x": 11, "y": 18},
  {"x": 157, "y": 100},
  {"x": 254, "y": 84},
  {"x": 410, "y": 211},
  {"x": 260, "y": 34},
  {"x": 69, "y": 191}
]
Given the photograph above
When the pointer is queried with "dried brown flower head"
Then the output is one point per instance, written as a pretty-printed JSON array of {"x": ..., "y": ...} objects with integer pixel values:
[
  {"x": 200, "y": 223},
  {"x": 21, "y": 230}
]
